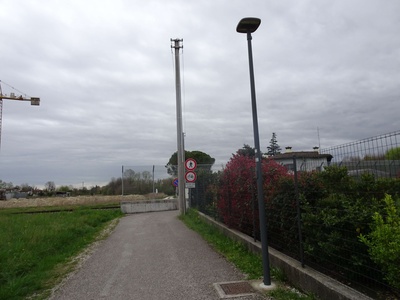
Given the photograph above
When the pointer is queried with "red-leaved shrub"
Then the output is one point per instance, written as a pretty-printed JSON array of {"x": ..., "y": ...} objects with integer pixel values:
[{"x": 237, "y": 203}]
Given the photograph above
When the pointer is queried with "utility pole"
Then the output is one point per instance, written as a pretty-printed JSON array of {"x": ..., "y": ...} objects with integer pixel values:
[{"x": 177, "y": 44}]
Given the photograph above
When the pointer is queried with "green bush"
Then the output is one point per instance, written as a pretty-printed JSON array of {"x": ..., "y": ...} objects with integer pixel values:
[
  {"x": 384, "y": 241},
  {"x": 333, "y": 220},
  {"x": 336, "y": 180},
  {"x": 281, "y": 212},
  {"x": 393, "y": 154},
  {"x": 335, "y": 209}
]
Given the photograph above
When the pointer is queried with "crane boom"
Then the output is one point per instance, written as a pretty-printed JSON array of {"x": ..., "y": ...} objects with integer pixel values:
[
  {"x": 33, "y": 100},
  {"x": 12, "y": 96}
]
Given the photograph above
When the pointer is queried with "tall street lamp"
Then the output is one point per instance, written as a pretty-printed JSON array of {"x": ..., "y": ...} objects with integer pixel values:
[{"x": 249, "y": 25}]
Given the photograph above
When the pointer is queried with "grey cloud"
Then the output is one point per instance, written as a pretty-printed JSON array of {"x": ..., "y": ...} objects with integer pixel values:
[{"x": 104, "y": 71}]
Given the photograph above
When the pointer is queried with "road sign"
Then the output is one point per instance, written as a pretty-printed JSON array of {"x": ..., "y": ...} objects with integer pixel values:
[
  {"x": 175, "y": 182},
  {"x": 190, "y": 176},
  {"x": 190, "y": 164},
  {"x": 190, "y": 185}
]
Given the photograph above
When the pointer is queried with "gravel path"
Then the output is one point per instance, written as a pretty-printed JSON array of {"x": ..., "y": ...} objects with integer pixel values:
[{"x": 150, "y": 256}]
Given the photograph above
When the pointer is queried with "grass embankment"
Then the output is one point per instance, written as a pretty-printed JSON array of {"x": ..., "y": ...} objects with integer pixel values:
[
  {"x": 36, "y": 250},
  {"x": 238, "y": 254}
]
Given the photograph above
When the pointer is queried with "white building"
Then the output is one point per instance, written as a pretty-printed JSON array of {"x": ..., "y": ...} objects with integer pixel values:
[{"x": 305, "y": 160}]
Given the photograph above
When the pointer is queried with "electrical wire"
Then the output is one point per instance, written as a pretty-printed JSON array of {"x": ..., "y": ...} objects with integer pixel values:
[
  {"x": 183, "y": 93},
  {"x": 22, "y": 93}
]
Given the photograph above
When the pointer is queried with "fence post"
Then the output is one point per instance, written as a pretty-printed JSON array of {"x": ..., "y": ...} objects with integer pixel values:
[
  {"x": 390, "y": 168},
  {"x": 254, "y": 202},
  {"x": 296, "y": 191},
  {"x": 122, "y": 181},
  {"x": 229, "y": 201}
]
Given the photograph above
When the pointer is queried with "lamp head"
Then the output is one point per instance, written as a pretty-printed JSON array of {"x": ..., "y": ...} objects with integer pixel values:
[{"x": 248, "y": 25}]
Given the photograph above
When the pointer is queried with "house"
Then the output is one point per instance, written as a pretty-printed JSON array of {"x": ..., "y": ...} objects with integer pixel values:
[
  {"x": 9, "y": 193},
  {"x": 305, "y": 160}
]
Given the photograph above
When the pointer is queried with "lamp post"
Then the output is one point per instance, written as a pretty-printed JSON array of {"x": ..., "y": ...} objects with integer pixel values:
[{"x": 249, "y": 25}]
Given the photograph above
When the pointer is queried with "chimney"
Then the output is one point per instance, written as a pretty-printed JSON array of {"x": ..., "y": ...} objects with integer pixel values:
[
  {"x": 288, "y": 149},
  {"x": 316, "y": 149}
]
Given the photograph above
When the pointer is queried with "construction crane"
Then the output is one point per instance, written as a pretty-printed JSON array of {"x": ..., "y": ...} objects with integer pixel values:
[{"x": 12, "y": 96}]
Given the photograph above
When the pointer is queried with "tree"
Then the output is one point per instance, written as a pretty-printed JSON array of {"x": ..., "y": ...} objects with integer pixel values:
[
  {"x": 130, "y": 174},
  {"x": 203, "y": 160},
  {"x": 26, "y": 187},
  {"x": 273, "y": 148},
  {"x": 50, "y": 186},
  {"x": 393, "y": 154},
  {"x": 246, "y": 151},
  {"x": 65, "y": 188},
  {"x": 5, "y": 185}
]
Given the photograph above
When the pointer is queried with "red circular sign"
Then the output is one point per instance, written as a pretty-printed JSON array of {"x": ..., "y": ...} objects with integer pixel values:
[
  {"x": 190, "y": 176},
  {"x": 190, "y": 164}
]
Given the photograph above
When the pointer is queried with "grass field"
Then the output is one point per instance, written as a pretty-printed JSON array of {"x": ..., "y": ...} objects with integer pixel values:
[
  {"x": 37, "y": 249},
  {"x": 74, "y": 201}
]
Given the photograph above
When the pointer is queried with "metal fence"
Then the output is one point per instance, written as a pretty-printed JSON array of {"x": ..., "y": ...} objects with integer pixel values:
[
  {"x": 379, "y": 155},
  {"x": 315, "y": 215}
]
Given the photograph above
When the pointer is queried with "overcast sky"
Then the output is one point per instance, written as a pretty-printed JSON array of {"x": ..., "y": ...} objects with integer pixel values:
[{"x": 105, "y": 74}]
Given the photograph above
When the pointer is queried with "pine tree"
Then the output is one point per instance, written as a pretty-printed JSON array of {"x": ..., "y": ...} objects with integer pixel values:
[
  {"x": 246, "y": 151},
  {"x": 273, "y": 148}
]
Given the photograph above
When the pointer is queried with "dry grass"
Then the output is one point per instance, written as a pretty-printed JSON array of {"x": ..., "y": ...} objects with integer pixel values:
[{"x": 68, "y": 201}]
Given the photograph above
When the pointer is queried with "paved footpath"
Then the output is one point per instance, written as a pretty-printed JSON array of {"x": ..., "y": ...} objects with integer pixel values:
[{"x": 150, "y": 256}]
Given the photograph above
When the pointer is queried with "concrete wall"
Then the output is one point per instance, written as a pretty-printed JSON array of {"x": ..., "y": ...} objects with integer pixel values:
[
  {"x": 307, "y": 279},
  {"x": 140, "y": 206}
]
